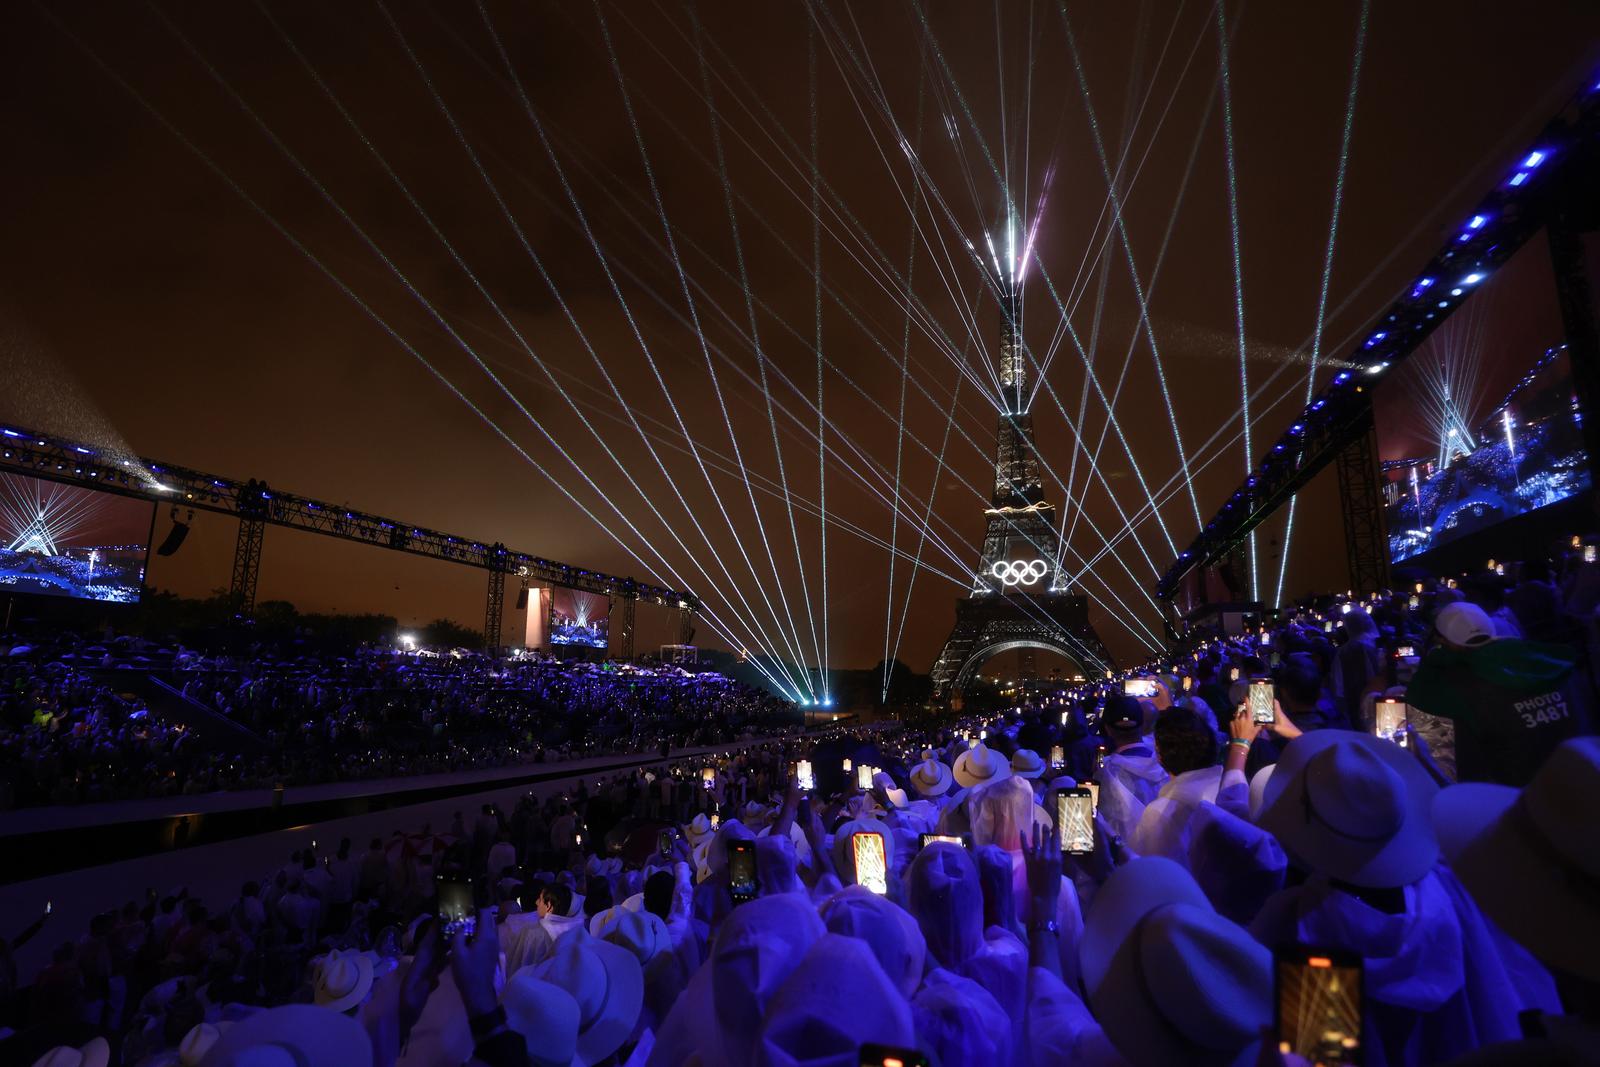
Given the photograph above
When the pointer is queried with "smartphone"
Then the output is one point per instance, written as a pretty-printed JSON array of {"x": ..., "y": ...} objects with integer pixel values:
[
  {"x": 1414, "y": 602},
  {"x": 1094, "y": 793},
  {"x": 890, "y": 1056},
  {"x": 1139, "y": 687},
  {"x": 1327, "y": 627},
  {"x": 457, "y": 908},
  {"x": 1389, "y": 716},
  {"x": 806, "y": 780},
  {"x": 49, "y": 906},
  {"x": 1075, "y": 820},
  {"x": 708, "y": 777},
  {"x": 666, "y": 841},
  {"x": 953, "y": 839},
  {"x": 847, "y": 766},
  {"x": 742, "y": 871},
  {"x": 1188, "y": 683},
  {"x": 1319, "y": 1003},
  {"x": 1588, "y": 553},
  {"x": 1266, "y": 637},
  {"x": 1405, "y": 651},
  {"x": 872, "y": 862},
  {"x": 1259, "y": 701},
  {"x": 1233, "y": 674},
  {"x": 864, "y": 776},
  {"x": 716, "y": 820},
  {"x": 1275, "y": 660},
  {"x": 1058, "y": 756},
  {"x": 1099, "y": 759}
]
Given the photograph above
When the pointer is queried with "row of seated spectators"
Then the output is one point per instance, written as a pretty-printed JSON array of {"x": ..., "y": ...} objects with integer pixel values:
[{"x": 69, "y": 732}]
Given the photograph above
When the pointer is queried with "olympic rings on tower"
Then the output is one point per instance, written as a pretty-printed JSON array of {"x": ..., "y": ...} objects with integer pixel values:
[{"x": 1013, "y": 572}]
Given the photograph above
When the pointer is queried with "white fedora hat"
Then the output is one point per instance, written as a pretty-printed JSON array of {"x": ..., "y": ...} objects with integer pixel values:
[
  {"x": 1354, "y": 807},
  {"x": 342, "y": 980},
  {"x": 608, "y": 985},
  {"x": 1170, "y": 980},
  {"x": 1026, "y": 763},
  {"x": 97, "y": 1053},
  {"x": 980, "y": 765},
  {"x": 546, "y": 1016},
  {"x": 1531, "y": 857},
  {"x": 300, "y": 1034}
]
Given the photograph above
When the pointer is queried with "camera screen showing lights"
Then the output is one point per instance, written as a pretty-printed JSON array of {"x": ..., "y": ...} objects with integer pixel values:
[
  {"x": 579, "y": 618},
  {"x": 1480, "y": 424},
  {"x": 61, "y": 540},
  {"x": 1524, "y": 454}
]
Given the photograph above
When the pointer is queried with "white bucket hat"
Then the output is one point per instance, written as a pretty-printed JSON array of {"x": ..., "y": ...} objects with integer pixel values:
[
  {"x": 608, "y": 985},
  {"x": 1354, "y": 807},
  {"x": 1026, "y": 763},
  {"x": 300, "y": 1034},
  {"x": 97, "y": 1053},
  {"x": 980, "y": 765},
  {"x": 1170, "y": 980},
  {"x": 1531, "y": 857}
]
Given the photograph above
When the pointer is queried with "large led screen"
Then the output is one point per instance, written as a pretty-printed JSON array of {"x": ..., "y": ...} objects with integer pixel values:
[
  {"x": 62, "y": 540},
  {"x": 578, "y": 618},
  {"x": 1480, "y": 425}
]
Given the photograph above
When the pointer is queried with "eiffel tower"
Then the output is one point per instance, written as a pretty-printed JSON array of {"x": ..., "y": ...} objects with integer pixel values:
[
  {"x": 1020, "y": 596},
  {"x": 34, "y": 538}
]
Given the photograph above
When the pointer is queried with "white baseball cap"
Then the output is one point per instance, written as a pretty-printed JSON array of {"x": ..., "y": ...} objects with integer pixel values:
[{"x": 1464, "y": 624}]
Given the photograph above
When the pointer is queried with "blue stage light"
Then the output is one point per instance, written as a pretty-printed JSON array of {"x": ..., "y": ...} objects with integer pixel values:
[
  {"x": 1376, "y": 339},
  {"x": 1422, "y": 286},
  {"x": 1533, "y": 160},
  {"x": 1520, "y": 177},
  {"x": 1473, "y": 279},
  {"x": 10, "y": 433}
]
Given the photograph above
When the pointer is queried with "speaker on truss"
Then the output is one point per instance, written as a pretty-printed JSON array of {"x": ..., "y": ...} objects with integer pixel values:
[
  {"x": 175, "y": 536},
  {"x": 522, "y": 598}
]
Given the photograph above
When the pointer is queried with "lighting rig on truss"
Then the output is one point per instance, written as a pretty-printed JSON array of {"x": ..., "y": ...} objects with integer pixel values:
[
  {"x": 1553, "y": 184},
  {"x": 257, "y": 505}
]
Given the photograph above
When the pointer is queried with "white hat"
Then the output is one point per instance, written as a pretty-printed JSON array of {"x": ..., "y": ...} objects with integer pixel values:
[
  {"x": 642, "y": 933},
  {"x": 836, "y": 999},
  {"x": 341, "y": 980},
  {"x": 698, "y": 829},
  {"x": 1354, "y": 807},
  {"x": 97, "y": 1053},
  {"x": 547, "y": 1018},
  {"x": 198, "y": 1041},
  {"x": 295, "y": 1035},
  {"x": 1258, "y": 789},
  {"x": 1026, "y": 763},
  {"x": 608, "y": 985},
  {"x": 1531, "y": 858},
  {"x": 896, "y": 796},
  {"x": 980, "y": 765},
  {"x": 1169, "y": 979},
  {"x": 1464, "y": 624}
]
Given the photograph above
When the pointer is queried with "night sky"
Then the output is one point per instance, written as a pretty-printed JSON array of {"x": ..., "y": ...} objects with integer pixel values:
[{"x": 145, "y": 302}]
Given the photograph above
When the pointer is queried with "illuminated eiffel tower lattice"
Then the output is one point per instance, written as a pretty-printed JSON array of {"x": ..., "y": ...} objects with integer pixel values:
[{"x": 35, "y": 537}]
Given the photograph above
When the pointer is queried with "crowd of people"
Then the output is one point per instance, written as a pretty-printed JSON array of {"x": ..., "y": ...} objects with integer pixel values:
[
  {"x": 70, "y": 731},
  {"x": 1242, "y": 854}
]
